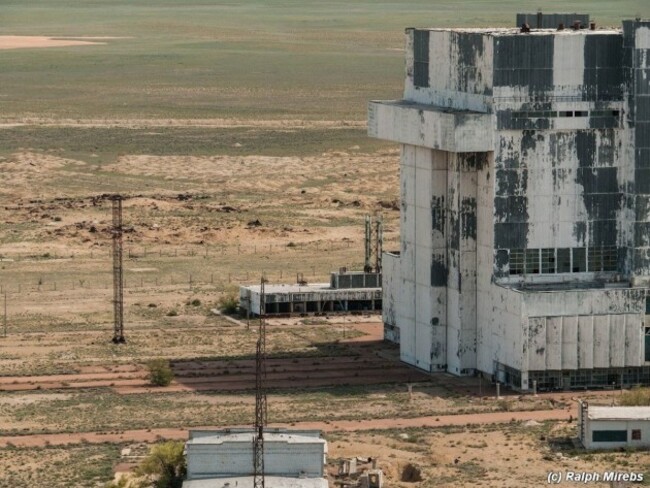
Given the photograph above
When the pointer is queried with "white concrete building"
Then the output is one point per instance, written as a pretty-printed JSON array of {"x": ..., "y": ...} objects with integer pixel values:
[
  {"x": 613, "y": 427},
  {"x": 292, "y": 458},
  {"x": 525, "y": 205},
  {"x": 346, "y": 292}
]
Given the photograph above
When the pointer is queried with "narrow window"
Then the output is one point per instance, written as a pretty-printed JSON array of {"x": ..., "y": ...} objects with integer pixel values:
[
  {"x": 564, "y": 260},
  {"x": 647, "y": 339},
  {"x": 579, "y": 260},
  {"x": 566, "y": 113},
  {"x": 548, "y": 261},
  {"x": 636, "y": 434},
  {"x": 532, "y": 261},
  {"x": 421, "y": 58},
  {"x": 581, "y": 113}
]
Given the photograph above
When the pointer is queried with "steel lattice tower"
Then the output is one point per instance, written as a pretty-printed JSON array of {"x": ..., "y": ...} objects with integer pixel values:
[
  {"x": 260, "y": 395},
  {"x": 379, "y": 243},
  {"x": 118, "y": 281}
]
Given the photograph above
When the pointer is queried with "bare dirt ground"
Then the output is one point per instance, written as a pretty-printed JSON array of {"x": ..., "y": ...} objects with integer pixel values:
[
  {"x": 371, "y": 363},
  {"x": 23, "y": 42}
]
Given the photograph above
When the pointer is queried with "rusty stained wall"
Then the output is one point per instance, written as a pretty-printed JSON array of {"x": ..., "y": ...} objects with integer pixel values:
[{"x": 460, "y": 71}]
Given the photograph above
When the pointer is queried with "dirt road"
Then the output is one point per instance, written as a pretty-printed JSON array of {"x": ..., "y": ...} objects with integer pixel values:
[{"x": 152, "y": 435}]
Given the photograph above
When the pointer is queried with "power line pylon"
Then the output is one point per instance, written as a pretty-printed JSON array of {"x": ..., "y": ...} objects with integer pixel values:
[
  {"x": 261, "y": 415},
  {"x": 118, "y": 280}
]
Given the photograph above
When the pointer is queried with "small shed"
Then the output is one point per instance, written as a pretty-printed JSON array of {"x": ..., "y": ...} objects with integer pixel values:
[{"x": 613, "y": 427}]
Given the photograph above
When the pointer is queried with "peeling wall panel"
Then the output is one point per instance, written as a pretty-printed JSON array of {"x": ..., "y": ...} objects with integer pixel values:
[
  {"x": 601, "y": 341},
  {"x": 537, "y": 343},
  {"x": 553, "y": 343},
  {"x": 617, "y": 341},
  {"x": 570, "y": 342},
  {"x": 585, "y": 342}
]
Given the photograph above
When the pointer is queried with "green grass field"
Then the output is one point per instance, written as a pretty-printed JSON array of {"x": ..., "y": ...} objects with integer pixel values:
[{"x": 272, "y": 59}]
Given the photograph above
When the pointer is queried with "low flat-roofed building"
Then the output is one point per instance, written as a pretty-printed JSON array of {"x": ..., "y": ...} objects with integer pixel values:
[
  {"x": 613, "y": 427},
  {"x": 224, "y": 458},
  {"x": 346, "y": 292}
]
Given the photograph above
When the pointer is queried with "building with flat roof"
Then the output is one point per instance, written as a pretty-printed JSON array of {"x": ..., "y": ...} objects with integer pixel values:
[
  {"x": 347, "y": 292},
  {"x": 525, "y": 204},
  {"x": 613, "y": 427},
  {"x": 224, "y": 458}
]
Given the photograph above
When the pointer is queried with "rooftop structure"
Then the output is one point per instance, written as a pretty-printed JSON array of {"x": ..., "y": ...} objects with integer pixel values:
[
  {"x": 223, "y": 458},
  {"x": 525, "y": 204}
]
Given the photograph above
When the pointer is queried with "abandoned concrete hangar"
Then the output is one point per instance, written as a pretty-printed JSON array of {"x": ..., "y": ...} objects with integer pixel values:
[{"x": 525, "y": 204}]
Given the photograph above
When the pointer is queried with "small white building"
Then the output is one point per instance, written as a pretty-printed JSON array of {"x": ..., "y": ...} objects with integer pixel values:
[
  {"x": 224, "y": 458},
  {"x": 613, "y": 427}
]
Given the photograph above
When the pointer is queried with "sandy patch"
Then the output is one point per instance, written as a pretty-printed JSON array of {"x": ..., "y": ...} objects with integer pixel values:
[
  {"x": 29, "y": 399},
  {"x": 22, "y": 42}
]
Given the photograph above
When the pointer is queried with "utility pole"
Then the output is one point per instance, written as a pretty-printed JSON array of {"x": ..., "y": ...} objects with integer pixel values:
[
  {"x": 260, "y": 395},
  {"x": 118, "y": 275}
]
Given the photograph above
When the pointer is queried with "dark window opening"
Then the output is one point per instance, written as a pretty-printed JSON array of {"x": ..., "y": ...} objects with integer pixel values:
[
  {"x": 595, "y": 259},
  {"x": 581, "y": 113},
  {"x": 609, "y": 436},
  {"x": 636, "y": 434},
  {"x": 516, "y": 261},
  {"x": 610, "y": 259},
  {"x": 647, "y": 339},
  {"x": 564, "y": 260},
  {"x": 532, "y": 261},
  {"x": 579, "y": 261},
  {"x": 566, "y": 113},
  {"x": 548, "y": 261},
  {"x": 421, "y": 58}
]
